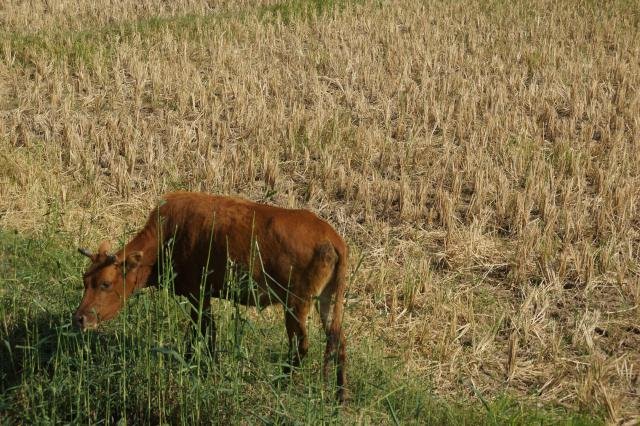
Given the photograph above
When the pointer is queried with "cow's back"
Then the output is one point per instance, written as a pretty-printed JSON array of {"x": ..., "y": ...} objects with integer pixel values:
[{"x": 205, "y": 231}]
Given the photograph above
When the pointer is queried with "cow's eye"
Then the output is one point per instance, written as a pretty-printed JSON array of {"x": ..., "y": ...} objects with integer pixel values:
[{"x": 105, "y": 286}]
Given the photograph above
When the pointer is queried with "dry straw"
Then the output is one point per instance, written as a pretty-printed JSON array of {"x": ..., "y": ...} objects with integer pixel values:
[{"x": 482, "y": 158}]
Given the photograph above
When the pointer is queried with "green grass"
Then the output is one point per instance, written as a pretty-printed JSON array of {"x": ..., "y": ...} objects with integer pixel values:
[{"x": 135, "y": 368}]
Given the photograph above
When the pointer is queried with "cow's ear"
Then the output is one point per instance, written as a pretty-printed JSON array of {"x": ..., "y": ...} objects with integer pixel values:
[
  {"x": 104, "y": 248},
  {"x": 133, "y": 259}
]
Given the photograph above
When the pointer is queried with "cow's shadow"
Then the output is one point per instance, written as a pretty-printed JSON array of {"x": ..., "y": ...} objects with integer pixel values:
[{"x": 30, "y": 346}]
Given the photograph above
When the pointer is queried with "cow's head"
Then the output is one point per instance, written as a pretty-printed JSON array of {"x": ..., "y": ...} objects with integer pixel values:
[{"x": 108, "y": 282}]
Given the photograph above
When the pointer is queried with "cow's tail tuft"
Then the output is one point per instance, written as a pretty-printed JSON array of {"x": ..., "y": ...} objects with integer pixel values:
[{"x": 336, "y": 345}]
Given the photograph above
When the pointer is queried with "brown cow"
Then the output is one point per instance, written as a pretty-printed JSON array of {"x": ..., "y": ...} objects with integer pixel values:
[{"x": 294, "y": 257}]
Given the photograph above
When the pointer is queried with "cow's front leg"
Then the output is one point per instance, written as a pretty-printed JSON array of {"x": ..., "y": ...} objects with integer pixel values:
[{"x": 203, "y": 326}]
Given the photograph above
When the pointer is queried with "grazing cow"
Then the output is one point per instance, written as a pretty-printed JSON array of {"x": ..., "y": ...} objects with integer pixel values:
[{"x": 294, "y": 257}]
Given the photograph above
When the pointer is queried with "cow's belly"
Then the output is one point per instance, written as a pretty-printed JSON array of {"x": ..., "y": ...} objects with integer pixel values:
[{"x": 259, "y": 291}]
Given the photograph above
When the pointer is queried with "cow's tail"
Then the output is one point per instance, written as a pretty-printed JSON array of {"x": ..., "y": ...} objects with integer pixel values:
[{"x": 336, "y": 344}]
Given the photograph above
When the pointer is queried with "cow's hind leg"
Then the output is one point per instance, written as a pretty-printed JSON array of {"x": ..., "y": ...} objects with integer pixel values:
[
  {"x": 325, "y": 307},
  {"x": 305, "y": 287},
  {"x": 336, "y": 344},
  {"x": 296, "y": 324},
  {"x": 327, "y": 274}
]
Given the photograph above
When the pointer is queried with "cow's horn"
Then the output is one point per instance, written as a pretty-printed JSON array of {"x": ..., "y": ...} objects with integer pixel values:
[{"x": 85, "y": 252}]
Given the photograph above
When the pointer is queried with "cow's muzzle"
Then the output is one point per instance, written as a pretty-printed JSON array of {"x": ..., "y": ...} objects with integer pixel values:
[{"x": 83, "y": 321}]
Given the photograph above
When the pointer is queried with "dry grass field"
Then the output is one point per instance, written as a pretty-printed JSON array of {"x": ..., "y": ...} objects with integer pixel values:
[{"x": 482, "y": 159}]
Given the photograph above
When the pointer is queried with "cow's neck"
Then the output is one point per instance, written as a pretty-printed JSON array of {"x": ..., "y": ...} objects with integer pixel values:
[{"x": 147, "y": 243}]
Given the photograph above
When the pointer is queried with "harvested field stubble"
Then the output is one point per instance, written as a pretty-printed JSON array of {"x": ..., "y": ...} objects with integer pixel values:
[{"x": 483, "y": 158}]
